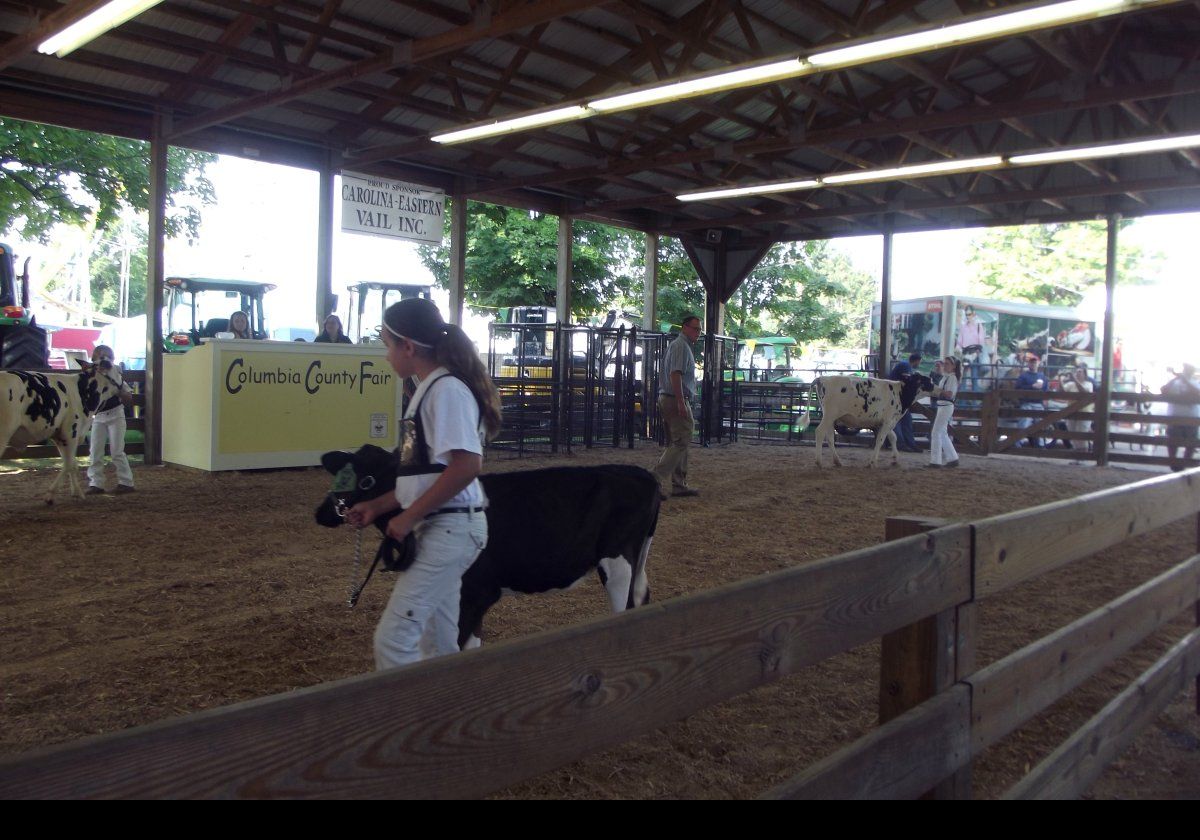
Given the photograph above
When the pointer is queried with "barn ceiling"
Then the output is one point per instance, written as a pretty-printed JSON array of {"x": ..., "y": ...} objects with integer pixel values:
[{"x": 361, "y": 84}]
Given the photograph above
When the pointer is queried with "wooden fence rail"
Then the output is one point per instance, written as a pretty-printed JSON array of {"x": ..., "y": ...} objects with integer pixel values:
[{"x": 480, "y": 721}]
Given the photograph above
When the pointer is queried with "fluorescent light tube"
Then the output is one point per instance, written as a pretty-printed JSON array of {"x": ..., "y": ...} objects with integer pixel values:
[
  {"x": 1137, "y": 147},
  {"x": 917, "y": 170},
  {"x": 494, "y": 129},
  {"x": 92, "y": 26},
  {"x": 996, "y": 26},
  {"x": 757, "y": 189},
  {"x": 760, "y": 74}
]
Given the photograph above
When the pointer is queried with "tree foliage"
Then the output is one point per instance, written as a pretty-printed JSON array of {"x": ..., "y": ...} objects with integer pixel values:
[
  {"x": 1052, "y": 264},
  {"x": 512, "y": 259},
  {"x": 804, "y": 290},
  {"x": 59, "y": 176}
]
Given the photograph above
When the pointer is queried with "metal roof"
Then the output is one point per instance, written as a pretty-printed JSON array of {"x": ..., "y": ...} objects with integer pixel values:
[{"x": 364, "y": 83}]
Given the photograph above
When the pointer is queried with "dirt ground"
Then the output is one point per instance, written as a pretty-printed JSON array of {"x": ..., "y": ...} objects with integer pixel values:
[{"x": 212, "y": 589}]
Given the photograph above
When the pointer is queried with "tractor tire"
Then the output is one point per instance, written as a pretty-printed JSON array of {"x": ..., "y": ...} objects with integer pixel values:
[{"x": 24, "y": 348}]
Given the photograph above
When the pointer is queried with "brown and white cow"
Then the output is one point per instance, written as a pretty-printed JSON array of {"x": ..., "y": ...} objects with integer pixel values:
[
  {"x": 54, "y": 406},
  {"x": 860, "y": 403}
]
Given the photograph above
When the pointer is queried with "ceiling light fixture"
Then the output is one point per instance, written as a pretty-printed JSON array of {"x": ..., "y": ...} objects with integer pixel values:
[
  {"x": 522, "y": 123},
  {"x": 1173, "y": 143},
  {"x": 1030, "y": 19},
  {"x": 92, "y": 26}
]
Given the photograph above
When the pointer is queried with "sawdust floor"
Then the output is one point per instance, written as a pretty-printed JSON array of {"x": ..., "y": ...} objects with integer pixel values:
[{"x": 218, "y": 588}]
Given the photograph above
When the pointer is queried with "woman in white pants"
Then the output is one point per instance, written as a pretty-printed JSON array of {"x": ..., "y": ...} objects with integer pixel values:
[
  {"x": 108, "y": 426},
  {"x": 941, "y": 447}
]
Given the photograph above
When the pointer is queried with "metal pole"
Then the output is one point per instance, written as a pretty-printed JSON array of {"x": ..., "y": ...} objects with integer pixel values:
[
  {"x": 1103, "y": 398},
  {"x": 153, "y": 397}
]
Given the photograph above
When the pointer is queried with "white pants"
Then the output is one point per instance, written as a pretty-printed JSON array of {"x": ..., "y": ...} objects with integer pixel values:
[
  {"x": 941, "y": 446},
  {"x": 421, "y": 618},
  {"x": 109, "y": 427}
]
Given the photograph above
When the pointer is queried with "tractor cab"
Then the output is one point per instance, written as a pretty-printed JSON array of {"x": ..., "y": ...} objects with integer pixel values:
[
  {"x": 199, "y": 307},
  {"x": 368, "y": 302},
  {"x": 769, "y": 358},
  {"x": 22, "y": 342}
]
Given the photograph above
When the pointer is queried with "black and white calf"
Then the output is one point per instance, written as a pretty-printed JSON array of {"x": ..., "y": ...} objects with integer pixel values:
[
  {"x": 54, "y": 406},
  {"x": 547, "y": 529},
  {"x": 865, "y": 404}
]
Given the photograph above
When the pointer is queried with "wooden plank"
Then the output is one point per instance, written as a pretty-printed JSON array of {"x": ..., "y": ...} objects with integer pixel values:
[
  {"x": 1081, "y": 759},
  {"x": 1017, "y": 546},
  {"x": 1011, "y": 691},
  {"x": 465, "y": 725},
  {"x": 916, "y": 661},
  {"x": 899, "y": 760}
]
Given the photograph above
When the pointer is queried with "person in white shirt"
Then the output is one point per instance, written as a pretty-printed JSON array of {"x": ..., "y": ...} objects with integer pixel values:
[
  {"x": 941, "y": 446},
  {"x": 1183, "y": 384},
  {"x": 108, "y": 426},
  {"x": 438, "y": 493}
]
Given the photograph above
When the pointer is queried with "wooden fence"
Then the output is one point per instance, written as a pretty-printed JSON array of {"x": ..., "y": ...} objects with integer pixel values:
[
  {"x": 471, "y": 724},
  {"x": 136, "y": 379},
  {"x": 989, "y": 422}
]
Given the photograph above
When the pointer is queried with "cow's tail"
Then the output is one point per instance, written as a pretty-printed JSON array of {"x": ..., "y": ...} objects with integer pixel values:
[{"x": 639, "y": 566}]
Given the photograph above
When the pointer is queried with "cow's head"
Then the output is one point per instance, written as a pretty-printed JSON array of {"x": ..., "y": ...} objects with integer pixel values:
[
  {"x": 358, "y": 477},
  {"x": 913, "y": 386},
  {"x": 98, "y": 383}
]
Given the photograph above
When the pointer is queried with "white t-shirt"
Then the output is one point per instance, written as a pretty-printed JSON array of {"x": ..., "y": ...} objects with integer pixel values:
[
  {"x": 1177, "y": 388},
  {"x": 450, "y": 421},
  {"x": 949, "y": 383}
]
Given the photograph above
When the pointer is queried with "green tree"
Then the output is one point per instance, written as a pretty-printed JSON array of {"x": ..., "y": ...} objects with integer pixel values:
[
  {"x": 120, "y": 258},
  {"x": 1052, "y": 264},
  {"x": 512, "y": 258},
  {"x": 60, "y": 176},
  {"x": 800, "y": 289}
]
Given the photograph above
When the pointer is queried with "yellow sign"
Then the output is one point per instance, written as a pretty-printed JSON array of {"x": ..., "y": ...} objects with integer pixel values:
[{"x": 273, "y": 401}]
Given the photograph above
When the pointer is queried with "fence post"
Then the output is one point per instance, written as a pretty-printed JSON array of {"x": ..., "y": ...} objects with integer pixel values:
[
  {"x": 927, "y": 657},
  {"x": 989, "y": 421}
]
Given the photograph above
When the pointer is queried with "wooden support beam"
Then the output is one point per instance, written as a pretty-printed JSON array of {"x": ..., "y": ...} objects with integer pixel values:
[
  {"x": 519, "y": 16},
  {"x": 458, "y": 257},
  {"x": 1104, "y": 397},
  {"x": 566, "y": 246},
  {"x": 155, "y": 277}
]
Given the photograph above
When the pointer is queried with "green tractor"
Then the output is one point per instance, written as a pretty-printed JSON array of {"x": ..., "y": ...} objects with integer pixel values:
[
  {"x": 209, "y": 303},
  {"x": 368, "y": 302},
  {"x": 23, "y": 343}
]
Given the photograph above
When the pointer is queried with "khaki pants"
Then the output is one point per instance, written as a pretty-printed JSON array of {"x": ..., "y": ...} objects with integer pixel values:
[{"x": 671, "y": 471}]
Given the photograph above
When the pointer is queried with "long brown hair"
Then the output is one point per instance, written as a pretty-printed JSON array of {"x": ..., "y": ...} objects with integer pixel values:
[
  {"x": 956, "y": 364},
  {"x": 456, "y": 352}
]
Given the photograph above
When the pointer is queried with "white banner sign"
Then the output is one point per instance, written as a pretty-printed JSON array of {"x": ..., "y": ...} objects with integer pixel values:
[{"x": 391, "y": 208}]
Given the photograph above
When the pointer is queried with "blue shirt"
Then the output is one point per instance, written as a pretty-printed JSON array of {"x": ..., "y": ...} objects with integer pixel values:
[
  {"x": 1031, "y": 381},
  {"x": 901, "y": 370}
]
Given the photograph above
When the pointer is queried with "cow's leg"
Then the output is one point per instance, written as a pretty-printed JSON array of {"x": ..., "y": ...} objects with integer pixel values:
[
  {"x": 616, "y": 573},
  {"x": 65, "y": 470},
  {"x": 476, "y": 600},
  {"x": 886, "y": 433},
  {"x": 639, "y": 595}
]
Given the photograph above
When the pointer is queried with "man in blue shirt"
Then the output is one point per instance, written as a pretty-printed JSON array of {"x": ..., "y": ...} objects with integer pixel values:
[
  {"x": 905, "y": 441},
  {"x": 1031, "y": 379}
]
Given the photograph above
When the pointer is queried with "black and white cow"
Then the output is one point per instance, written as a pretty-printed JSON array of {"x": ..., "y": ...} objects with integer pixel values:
[
  {"x": 860, "y": 403},
  {"x": 546, "y": 529},
  {"x": 54, "y": 406}
]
